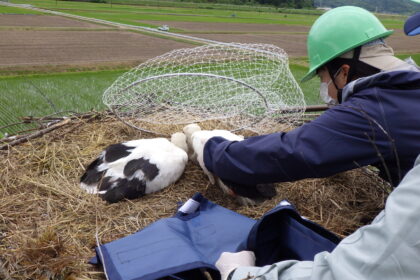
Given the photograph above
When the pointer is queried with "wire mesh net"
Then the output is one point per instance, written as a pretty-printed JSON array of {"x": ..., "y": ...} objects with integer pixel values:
[{"x": 237, "y": 85}]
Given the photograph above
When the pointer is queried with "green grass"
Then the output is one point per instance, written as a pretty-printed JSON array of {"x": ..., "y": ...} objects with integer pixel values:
[
  {"x": 310, "y": 88},
  {"x": 414, "y": 56},
  {"x": 27, "y": 95},
  {"x": 20, "y": 11},
  {"x": 133, "y": 14},
  {"x": 213, "y": 6},
  {"x": 31, "y": 95},
  {"x": 192, "y": 12}
]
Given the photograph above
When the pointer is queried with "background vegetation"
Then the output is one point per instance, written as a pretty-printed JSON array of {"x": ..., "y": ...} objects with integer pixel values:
[
  {"x": 379, "y": 6},
  {"x": 43, "y": 94}
]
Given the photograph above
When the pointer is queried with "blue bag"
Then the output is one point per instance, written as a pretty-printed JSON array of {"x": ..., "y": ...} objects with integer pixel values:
[
  {"x": 187, "y": 245},
  {"x": 282, "y": 234},
  {"x": 180, "y": 247}
]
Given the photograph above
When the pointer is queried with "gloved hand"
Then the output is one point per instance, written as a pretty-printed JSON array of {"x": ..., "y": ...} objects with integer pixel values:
[
  {"x": 227, "y": 262},
  {"x": 199, "y": 140}
]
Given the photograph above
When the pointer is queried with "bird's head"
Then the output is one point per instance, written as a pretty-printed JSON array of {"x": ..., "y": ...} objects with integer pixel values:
[
  {"x": 179, "y": 139},
  {"x": 190, "y": 129}
]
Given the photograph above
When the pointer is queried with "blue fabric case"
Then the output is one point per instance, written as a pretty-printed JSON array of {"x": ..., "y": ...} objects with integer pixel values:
[
  {"x": 282, "y": 234},
  {"x": 186, "y": 245}
]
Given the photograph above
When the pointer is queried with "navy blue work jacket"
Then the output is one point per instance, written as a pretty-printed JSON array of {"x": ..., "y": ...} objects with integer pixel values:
[{"x": 377, "y": 124}]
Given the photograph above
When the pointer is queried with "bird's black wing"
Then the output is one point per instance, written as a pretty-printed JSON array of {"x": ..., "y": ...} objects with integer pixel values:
[
  {"x": 112, "y": 153},
  {"x": 92, "y": 175},
  {"x": 149, "y": 169},
  {"x": 122, "y": 188},
  {"x": 116, "y": 151}
]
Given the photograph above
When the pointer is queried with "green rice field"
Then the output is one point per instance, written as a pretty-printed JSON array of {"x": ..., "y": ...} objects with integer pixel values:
[
  {"x": 178, "y": 11},
  {"x": 41, "y": 95}
]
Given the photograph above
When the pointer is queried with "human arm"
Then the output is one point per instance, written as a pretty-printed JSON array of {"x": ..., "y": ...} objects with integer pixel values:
[{"x": 342, "y": 138}]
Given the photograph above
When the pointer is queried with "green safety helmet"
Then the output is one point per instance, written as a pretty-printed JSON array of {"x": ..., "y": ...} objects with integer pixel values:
[{"x": 338, "y": 31}]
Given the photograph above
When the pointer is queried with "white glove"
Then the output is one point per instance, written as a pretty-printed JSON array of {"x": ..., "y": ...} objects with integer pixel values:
[
  {"x": 199, "y": 140},
  {"x": 227, "y": 262}
]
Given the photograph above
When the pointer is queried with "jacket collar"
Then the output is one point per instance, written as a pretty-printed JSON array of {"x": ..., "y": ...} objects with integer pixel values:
[{"x": 406, "y": 76}]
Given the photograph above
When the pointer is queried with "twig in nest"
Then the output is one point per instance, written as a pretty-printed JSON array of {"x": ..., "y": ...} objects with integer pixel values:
[{"x": 35, "y": 135}]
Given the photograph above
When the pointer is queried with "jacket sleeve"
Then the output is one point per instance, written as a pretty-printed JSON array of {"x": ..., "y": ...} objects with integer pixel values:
[
  {"x": 342, "y": 138},
  {"x": 387, "y": 249}
]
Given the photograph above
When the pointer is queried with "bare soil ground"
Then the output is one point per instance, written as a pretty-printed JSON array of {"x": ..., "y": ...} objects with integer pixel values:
[
  {"x": 57, "y": 50},
  {"x": 44, "y": 21},
  {"x": 293, "y": 43},
  {"x": 28, "y": 48}
]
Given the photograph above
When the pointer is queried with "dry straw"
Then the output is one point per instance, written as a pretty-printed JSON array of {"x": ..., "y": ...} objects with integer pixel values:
[{"x": 48, "y": 224}]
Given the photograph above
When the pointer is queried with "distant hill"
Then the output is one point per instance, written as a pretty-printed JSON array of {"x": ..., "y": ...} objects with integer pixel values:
[{"x": 379, "y": 6}]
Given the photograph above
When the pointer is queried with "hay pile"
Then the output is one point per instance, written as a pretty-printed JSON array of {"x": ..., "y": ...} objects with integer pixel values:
[{"x": 48, "y": 224}]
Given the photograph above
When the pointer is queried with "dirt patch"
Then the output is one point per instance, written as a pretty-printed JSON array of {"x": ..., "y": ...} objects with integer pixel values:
[
  {"x": 229, "y": 27},
  {"x": 295, "y": 44},
  {"x": 21, "y": 49},
  {"x": 404, "y": 44},
  {"x": 26, "y": 48},
  {"x": 44, "y": 21}
]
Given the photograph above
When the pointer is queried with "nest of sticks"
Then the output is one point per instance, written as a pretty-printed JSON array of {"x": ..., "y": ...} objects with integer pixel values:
[{"x": 49, "y": 225}]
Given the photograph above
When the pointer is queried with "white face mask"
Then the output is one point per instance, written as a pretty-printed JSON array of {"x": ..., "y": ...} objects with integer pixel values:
[{"x": 323, "y": 91}]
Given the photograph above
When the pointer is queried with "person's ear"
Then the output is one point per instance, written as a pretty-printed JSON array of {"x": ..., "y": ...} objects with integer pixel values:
[{"x": 341, "y": 79}]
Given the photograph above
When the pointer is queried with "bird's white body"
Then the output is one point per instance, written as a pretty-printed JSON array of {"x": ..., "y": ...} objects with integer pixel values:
[{"x": 155, "y": 163}]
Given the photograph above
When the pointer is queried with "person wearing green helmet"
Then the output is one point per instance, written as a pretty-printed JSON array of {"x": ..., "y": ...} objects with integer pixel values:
[
  {"x": 362, "y": 52},
  {"x": 353, "y": 69},
  {"x": 375, "y": 121}
]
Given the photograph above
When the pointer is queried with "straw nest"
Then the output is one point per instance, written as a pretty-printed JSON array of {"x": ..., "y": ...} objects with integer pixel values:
[{"x": 48, "y": 224}]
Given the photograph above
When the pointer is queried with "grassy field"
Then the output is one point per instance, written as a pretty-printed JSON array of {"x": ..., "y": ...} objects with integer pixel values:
[
  {"x": 33, "y": 95},
  {"x": 211, "y": 6},
  {"x": 13, "y": 10},
  {"x": 132, "y": 14},
  {"x": 40, "y": 95},
  {"x": 415, "y": 57}
]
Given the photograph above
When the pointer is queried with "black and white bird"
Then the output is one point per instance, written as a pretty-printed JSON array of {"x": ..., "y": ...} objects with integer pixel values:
[
  {"x": 246, "y": 195},
  {"x": 132, "y": 169}
]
